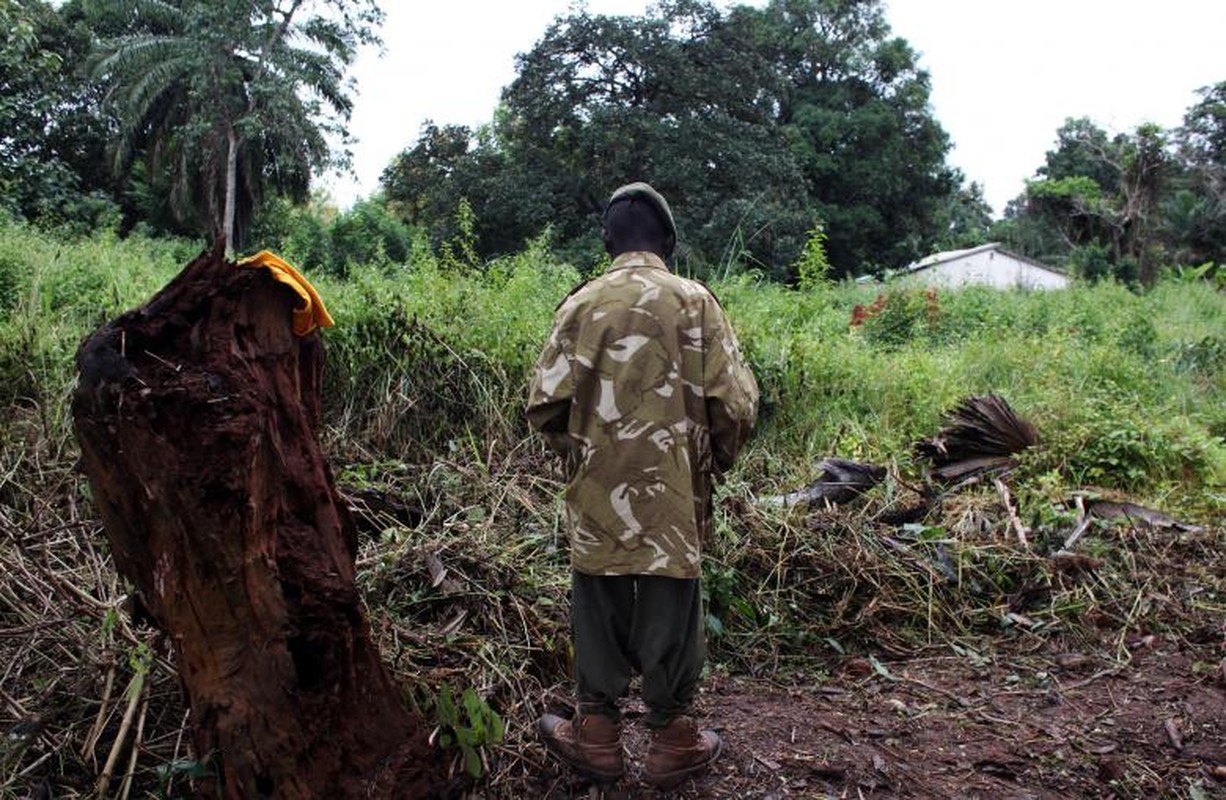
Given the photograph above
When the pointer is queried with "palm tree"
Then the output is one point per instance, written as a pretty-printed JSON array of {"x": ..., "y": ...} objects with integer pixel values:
[{"x": 231, "y": 98}]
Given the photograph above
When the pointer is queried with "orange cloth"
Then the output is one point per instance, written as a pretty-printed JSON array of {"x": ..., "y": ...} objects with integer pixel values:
[{"x": 311, "y": 314}]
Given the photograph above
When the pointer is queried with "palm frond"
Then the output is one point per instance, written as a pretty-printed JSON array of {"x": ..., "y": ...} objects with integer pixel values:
[
  {"x": 982, "y": 435},
  {"x": 187, "y": 71}
]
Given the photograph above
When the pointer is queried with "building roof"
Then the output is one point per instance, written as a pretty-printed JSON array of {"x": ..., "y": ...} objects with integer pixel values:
[{"x": 953, "y": 255}]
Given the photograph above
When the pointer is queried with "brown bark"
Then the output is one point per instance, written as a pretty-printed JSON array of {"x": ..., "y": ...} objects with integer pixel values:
[{"x": 197, "y": 416}]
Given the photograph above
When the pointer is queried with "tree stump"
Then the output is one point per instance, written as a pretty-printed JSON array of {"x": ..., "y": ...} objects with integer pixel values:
[{"x": 197, "y": 416}]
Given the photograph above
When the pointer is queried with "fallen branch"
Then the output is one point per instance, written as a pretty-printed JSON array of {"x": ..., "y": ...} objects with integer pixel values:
[
  {"x": 1076, "y": 534},
  {"x": 125, "y": 788},
  {"x": 91, "y": 740},
  {"x": 839, "y": 481}
]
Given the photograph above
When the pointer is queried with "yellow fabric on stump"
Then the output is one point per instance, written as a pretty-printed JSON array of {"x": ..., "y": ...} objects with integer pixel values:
[{"x": 311, "y": 314}]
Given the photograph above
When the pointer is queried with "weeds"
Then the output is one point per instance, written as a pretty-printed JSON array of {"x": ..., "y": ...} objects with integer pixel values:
[
  {"x": 470, "y": 725},
  {"x": 426, "y": 369}
]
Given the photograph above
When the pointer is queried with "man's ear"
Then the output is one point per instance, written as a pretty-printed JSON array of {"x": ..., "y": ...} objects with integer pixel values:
[
  {"x": 608, "y": 240},
  {"x": 670, "y": 245}
]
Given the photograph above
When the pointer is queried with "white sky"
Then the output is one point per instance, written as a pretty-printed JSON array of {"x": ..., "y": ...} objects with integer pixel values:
[{"x": 1005, "y": 73}]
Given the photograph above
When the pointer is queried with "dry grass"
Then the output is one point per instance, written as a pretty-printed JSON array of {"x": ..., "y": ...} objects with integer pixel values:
[{"x": 90, "y": 704}]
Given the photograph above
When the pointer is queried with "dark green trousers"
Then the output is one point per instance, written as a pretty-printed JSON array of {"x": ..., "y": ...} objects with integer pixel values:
[{"x": 644, "y": 623}]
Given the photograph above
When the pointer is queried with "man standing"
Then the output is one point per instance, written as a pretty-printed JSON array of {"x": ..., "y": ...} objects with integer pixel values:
[{"x": 642, "y": 389}]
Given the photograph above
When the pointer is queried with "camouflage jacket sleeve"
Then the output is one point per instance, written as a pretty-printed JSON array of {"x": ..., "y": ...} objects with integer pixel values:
[
  {"x": 551, "y": 389},
  {"x": 732, "y": 392}
]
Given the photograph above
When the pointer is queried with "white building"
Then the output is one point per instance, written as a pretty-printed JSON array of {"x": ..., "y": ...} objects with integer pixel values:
[{"x": 986, "y": 265}]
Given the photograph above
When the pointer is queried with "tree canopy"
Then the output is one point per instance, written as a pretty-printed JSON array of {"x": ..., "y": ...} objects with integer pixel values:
[
  {"x": 228, "y": 98},
  {"x": 793, "y": 138},
  {"x": 52, "y": 150},
  {"x": 1127, "y": 205},
  {"x": 1196, "y": 212},
  {"x": 759, "y": 125},
  {"x": 179, "y": 116}
]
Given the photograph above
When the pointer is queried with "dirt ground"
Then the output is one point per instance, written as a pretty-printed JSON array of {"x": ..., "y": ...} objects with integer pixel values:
[{"x": 1048, "y": 723}]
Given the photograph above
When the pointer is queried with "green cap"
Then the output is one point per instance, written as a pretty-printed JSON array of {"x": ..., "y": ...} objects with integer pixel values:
[{"x": 641, "y": 189}]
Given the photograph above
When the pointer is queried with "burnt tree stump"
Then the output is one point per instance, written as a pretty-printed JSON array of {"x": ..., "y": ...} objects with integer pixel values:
[{"x": 197, "y": 416}]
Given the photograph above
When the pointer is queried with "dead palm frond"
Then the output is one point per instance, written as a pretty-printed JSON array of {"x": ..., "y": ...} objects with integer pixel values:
[{"x": 983, "y": 434}]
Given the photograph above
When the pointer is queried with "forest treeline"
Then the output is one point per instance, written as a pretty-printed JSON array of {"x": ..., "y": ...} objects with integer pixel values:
[{"x": 770, "y": 128}]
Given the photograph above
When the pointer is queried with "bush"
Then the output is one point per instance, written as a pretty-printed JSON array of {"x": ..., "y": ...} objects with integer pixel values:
[
  {"x": 898, "y": 316},
  {"x": 424, "y": 356},
  {"x": 369, "y": 234},
  {"x": 1108, "y": 443},
  {"x": 319, "y": 240}
]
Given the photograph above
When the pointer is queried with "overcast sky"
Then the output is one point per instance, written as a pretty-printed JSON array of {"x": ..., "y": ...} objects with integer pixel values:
[{"x": 1005, "y": 73}]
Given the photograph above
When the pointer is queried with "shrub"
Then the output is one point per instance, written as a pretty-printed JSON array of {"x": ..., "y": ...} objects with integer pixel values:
[
  {"x": 1091, "y": 261},
  {"x": 320, "y": 240},
  {"x": 1108, "y": 443},
  {"x": 369, "y": 234},
  {"x": 898, "y": 316},
  {"x": 813, "y": 267}
]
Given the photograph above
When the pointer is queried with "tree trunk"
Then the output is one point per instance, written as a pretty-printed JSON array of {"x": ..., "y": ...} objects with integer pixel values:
[
  {"x": 227, "y": 223},
  {"x": 197, "y": 417}
]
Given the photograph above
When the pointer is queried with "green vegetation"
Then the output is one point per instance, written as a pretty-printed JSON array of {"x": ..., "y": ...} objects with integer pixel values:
[
  {"x": 1126, "y": 205},
  {"x": 173, "y": 116},
  {"x": 227, "y": 100},
  {"x": 756, "y": 123},
  {"x": 469, "y": 726},
  {"x": 424, "y": 384},
  {"x": 53, "y": 292},
  {"x": 429, "y": 353},
  {"x": 760, "y": 124}
]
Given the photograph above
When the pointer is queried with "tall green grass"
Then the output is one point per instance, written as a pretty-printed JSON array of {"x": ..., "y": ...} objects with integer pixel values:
[
  {"x": 53, "y": 292},
  {"x": 430, "y": 355},
  {"x": 1126, "y": 389}
]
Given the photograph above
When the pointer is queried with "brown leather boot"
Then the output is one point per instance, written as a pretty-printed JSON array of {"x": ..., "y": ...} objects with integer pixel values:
[
  {"x": 678, "y": 751},
  {"x": 591, "y": 743}
]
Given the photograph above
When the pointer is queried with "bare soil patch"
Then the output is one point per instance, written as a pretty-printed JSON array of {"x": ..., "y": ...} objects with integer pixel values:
[{"x": 1042, "y": 724}]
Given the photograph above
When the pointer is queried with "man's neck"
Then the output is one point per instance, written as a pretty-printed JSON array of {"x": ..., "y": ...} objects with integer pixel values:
[{"x": 639, "y": 258}]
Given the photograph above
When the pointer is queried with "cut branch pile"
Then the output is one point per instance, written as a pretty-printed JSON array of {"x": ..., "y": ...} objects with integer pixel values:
[
  {"x": 472, "y": 594},
  {"x": 89, "y": 704}
]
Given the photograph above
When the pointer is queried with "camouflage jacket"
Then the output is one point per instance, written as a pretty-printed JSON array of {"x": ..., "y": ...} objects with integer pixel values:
[{"x": 643, "y": 390}]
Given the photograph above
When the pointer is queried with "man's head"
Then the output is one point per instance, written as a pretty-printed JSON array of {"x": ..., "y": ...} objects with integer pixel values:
[{"x": 638, "y": 218}]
